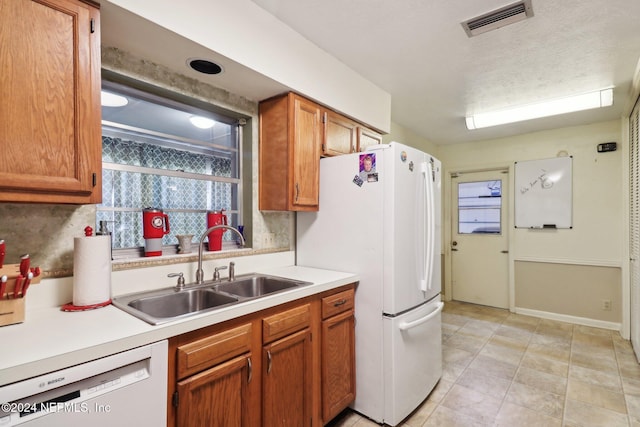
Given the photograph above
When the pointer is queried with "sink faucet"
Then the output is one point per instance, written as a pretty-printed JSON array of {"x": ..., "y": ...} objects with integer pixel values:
[{"x": 199, "y": 271}]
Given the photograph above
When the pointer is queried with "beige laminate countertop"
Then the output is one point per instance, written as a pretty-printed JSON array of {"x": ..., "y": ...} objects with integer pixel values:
[{"x": 51, "y": 339}]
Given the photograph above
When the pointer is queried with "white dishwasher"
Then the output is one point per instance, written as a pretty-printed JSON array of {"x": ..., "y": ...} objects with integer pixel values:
[{"x": 124, "y": 389}]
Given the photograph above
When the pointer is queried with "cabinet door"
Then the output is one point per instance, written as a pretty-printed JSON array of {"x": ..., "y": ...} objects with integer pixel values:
[
  {"x": 338, "y": 364},
  {"x": 50, "y": 141},
  {"x": 217, "y": 397},
  {"x": 367, "y": 137},
  {"x": 306, "y": 154},
  {"x": 286, "y": 381},
  {"x": 339, "y": 134}
]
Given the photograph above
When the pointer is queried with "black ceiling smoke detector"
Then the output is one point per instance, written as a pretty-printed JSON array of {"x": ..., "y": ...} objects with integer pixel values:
[
  {"x": 204, "y": 66},
  {"x": 498, "y": 18}
]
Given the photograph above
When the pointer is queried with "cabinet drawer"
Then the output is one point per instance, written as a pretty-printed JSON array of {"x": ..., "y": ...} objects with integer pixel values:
[
  {"x": 337, "y": 303},
  {"x": 209, "y": 351},
  {"x": 285, "y": 323}
]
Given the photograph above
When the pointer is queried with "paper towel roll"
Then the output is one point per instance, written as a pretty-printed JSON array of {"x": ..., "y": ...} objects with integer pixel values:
[{"x": 91, "y": 270}]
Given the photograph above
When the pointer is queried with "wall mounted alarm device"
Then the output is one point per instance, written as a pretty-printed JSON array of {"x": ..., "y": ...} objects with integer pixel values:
[{"x": 607, "y": 146}]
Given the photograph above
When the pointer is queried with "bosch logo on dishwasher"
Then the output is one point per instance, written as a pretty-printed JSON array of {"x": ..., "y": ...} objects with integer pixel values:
[
  {"x": 49, "y": 382},
  {"x": 55, "y": 380}
]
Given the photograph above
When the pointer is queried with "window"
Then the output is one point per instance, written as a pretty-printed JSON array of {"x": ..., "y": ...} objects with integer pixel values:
[
  {"x": 479, "y": 207},
  {"x": 153, "y": 156}
]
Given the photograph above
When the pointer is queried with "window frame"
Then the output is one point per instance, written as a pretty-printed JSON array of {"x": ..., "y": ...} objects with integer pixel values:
[{"x": 189, "y": 105}]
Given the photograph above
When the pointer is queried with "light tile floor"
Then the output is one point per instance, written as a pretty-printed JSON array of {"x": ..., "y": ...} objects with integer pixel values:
[{"x": 504, "y": 369}]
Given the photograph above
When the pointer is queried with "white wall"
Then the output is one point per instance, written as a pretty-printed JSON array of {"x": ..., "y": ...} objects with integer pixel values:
[
  {"x": 597, "y": 237},
  {"x": 406, "y": 136},
  {"x": 248, "y": 35}
]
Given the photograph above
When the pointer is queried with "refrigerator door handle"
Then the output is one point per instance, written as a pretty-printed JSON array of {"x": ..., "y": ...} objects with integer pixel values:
[
  {"x": 426, "y": 284},
  {"x": 432, "y": 224},
  {"x": 408, "y": 325}
]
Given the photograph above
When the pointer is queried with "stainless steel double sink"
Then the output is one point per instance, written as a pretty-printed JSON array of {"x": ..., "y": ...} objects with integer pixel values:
[{"x": 168, "y": 304}]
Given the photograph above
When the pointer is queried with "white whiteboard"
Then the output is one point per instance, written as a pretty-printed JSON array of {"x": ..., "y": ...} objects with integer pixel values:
[{"x": 543, "y": 193}]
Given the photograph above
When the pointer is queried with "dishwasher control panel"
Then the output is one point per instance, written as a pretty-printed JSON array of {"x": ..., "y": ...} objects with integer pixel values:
[{"x": 85, "y": 392}]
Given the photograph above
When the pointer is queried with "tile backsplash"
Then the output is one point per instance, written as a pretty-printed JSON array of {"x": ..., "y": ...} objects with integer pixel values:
[{"x": 45, "y": 232}]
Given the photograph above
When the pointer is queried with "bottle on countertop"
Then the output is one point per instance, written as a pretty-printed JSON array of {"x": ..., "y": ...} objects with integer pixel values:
[{"x": 103, "y": 230}]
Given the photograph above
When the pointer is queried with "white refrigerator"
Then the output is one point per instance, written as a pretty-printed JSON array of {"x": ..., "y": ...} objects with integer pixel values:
[{"x": 380, "y": 217}]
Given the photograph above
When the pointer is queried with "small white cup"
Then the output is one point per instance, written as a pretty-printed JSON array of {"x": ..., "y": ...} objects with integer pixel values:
[{"x": 184, "y": 243}]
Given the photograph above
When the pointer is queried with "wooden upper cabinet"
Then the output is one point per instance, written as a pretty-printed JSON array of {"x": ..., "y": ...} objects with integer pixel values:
[
  {"x": 367, "y": 137},
  {"x": 290, "y": 132},
  {"x": 50, "y": 132},
  {"x": 340, "y": 134},
  {"x": 294, "y": 133}
]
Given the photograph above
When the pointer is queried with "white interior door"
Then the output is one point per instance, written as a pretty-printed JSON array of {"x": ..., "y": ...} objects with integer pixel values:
[{"x": 479, "y": 243}]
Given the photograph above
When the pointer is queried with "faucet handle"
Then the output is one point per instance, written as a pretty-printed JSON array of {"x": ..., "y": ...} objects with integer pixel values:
[
  {"x": 180, "y": 277},
  {"x": 232, "y": 271},
  {"x": 216, "y": 272}
]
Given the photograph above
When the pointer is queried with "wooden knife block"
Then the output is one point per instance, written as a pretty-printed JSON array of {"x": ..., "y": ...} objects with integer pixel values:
[{"x": 12, "y": 310}]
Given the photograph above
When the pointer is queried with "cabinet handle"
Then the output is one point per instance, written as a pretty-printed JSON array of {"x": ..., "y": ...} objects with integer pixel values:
[
  {"x": 339, "y": 303},
  {"x": 268, "y": 361},
  {"x": 297, "y": 191},
  {"x": 250, "y": 367}
]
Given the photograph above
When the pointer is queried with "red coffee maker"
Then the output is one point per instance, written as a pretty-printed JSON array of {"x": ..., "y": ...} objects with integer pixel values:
[
  {"x": 215, "y": 237},
  {"x": 155, "y": 224}
]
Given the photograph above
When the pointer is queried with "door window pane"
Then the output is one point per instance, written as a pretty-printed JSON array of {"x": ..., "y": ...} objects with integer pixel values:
[{"x": 479, "y": 207}]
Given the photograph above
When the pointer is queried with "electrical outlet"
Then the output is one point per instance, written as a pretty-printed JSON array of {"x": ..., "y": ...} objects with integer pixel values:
[
  {"x": 606, "y": 304},
  {"x": 268, "y": 240}
]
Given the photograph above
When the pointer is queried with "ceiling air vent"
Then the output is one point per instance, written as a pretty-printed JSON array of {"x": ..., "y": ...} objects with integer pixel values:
[{"x": 498, "y": 18}]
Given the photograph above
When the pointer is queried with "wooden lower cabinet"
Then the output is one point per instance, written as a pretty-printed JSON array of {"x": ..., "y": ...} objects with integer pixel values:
[
  {"x": 216, "y": 397},
  {"x": 286, "y": 385},
  {"x": 338, "y": 354},
  {"x": 267, "y": 368},
  {"x": 338, "y": 364}
]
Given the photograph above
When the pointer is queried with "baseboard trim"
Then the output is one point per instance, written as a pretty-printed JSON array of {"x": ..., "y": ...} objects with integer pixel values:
[{"x": 584, "y": 321}]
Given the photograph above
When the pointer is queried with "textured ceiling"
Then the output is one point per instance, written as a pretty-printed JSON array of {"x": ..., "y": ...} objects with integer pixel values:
[{"x": 418, "y": 52}]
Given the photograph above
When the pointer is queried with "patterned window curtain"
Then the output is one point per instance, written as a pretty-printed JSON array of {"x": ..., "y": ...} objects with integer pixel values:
[{"x": 127, "y": 192}]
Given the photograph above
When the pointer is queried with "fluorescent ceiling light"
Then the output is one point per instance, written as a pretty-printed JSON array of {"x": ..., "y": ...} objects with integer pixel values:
[
  {"x": 201, "y": 122},
  {"x": 587, "y": 101},
  {"x": 108, "y": 99}
]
